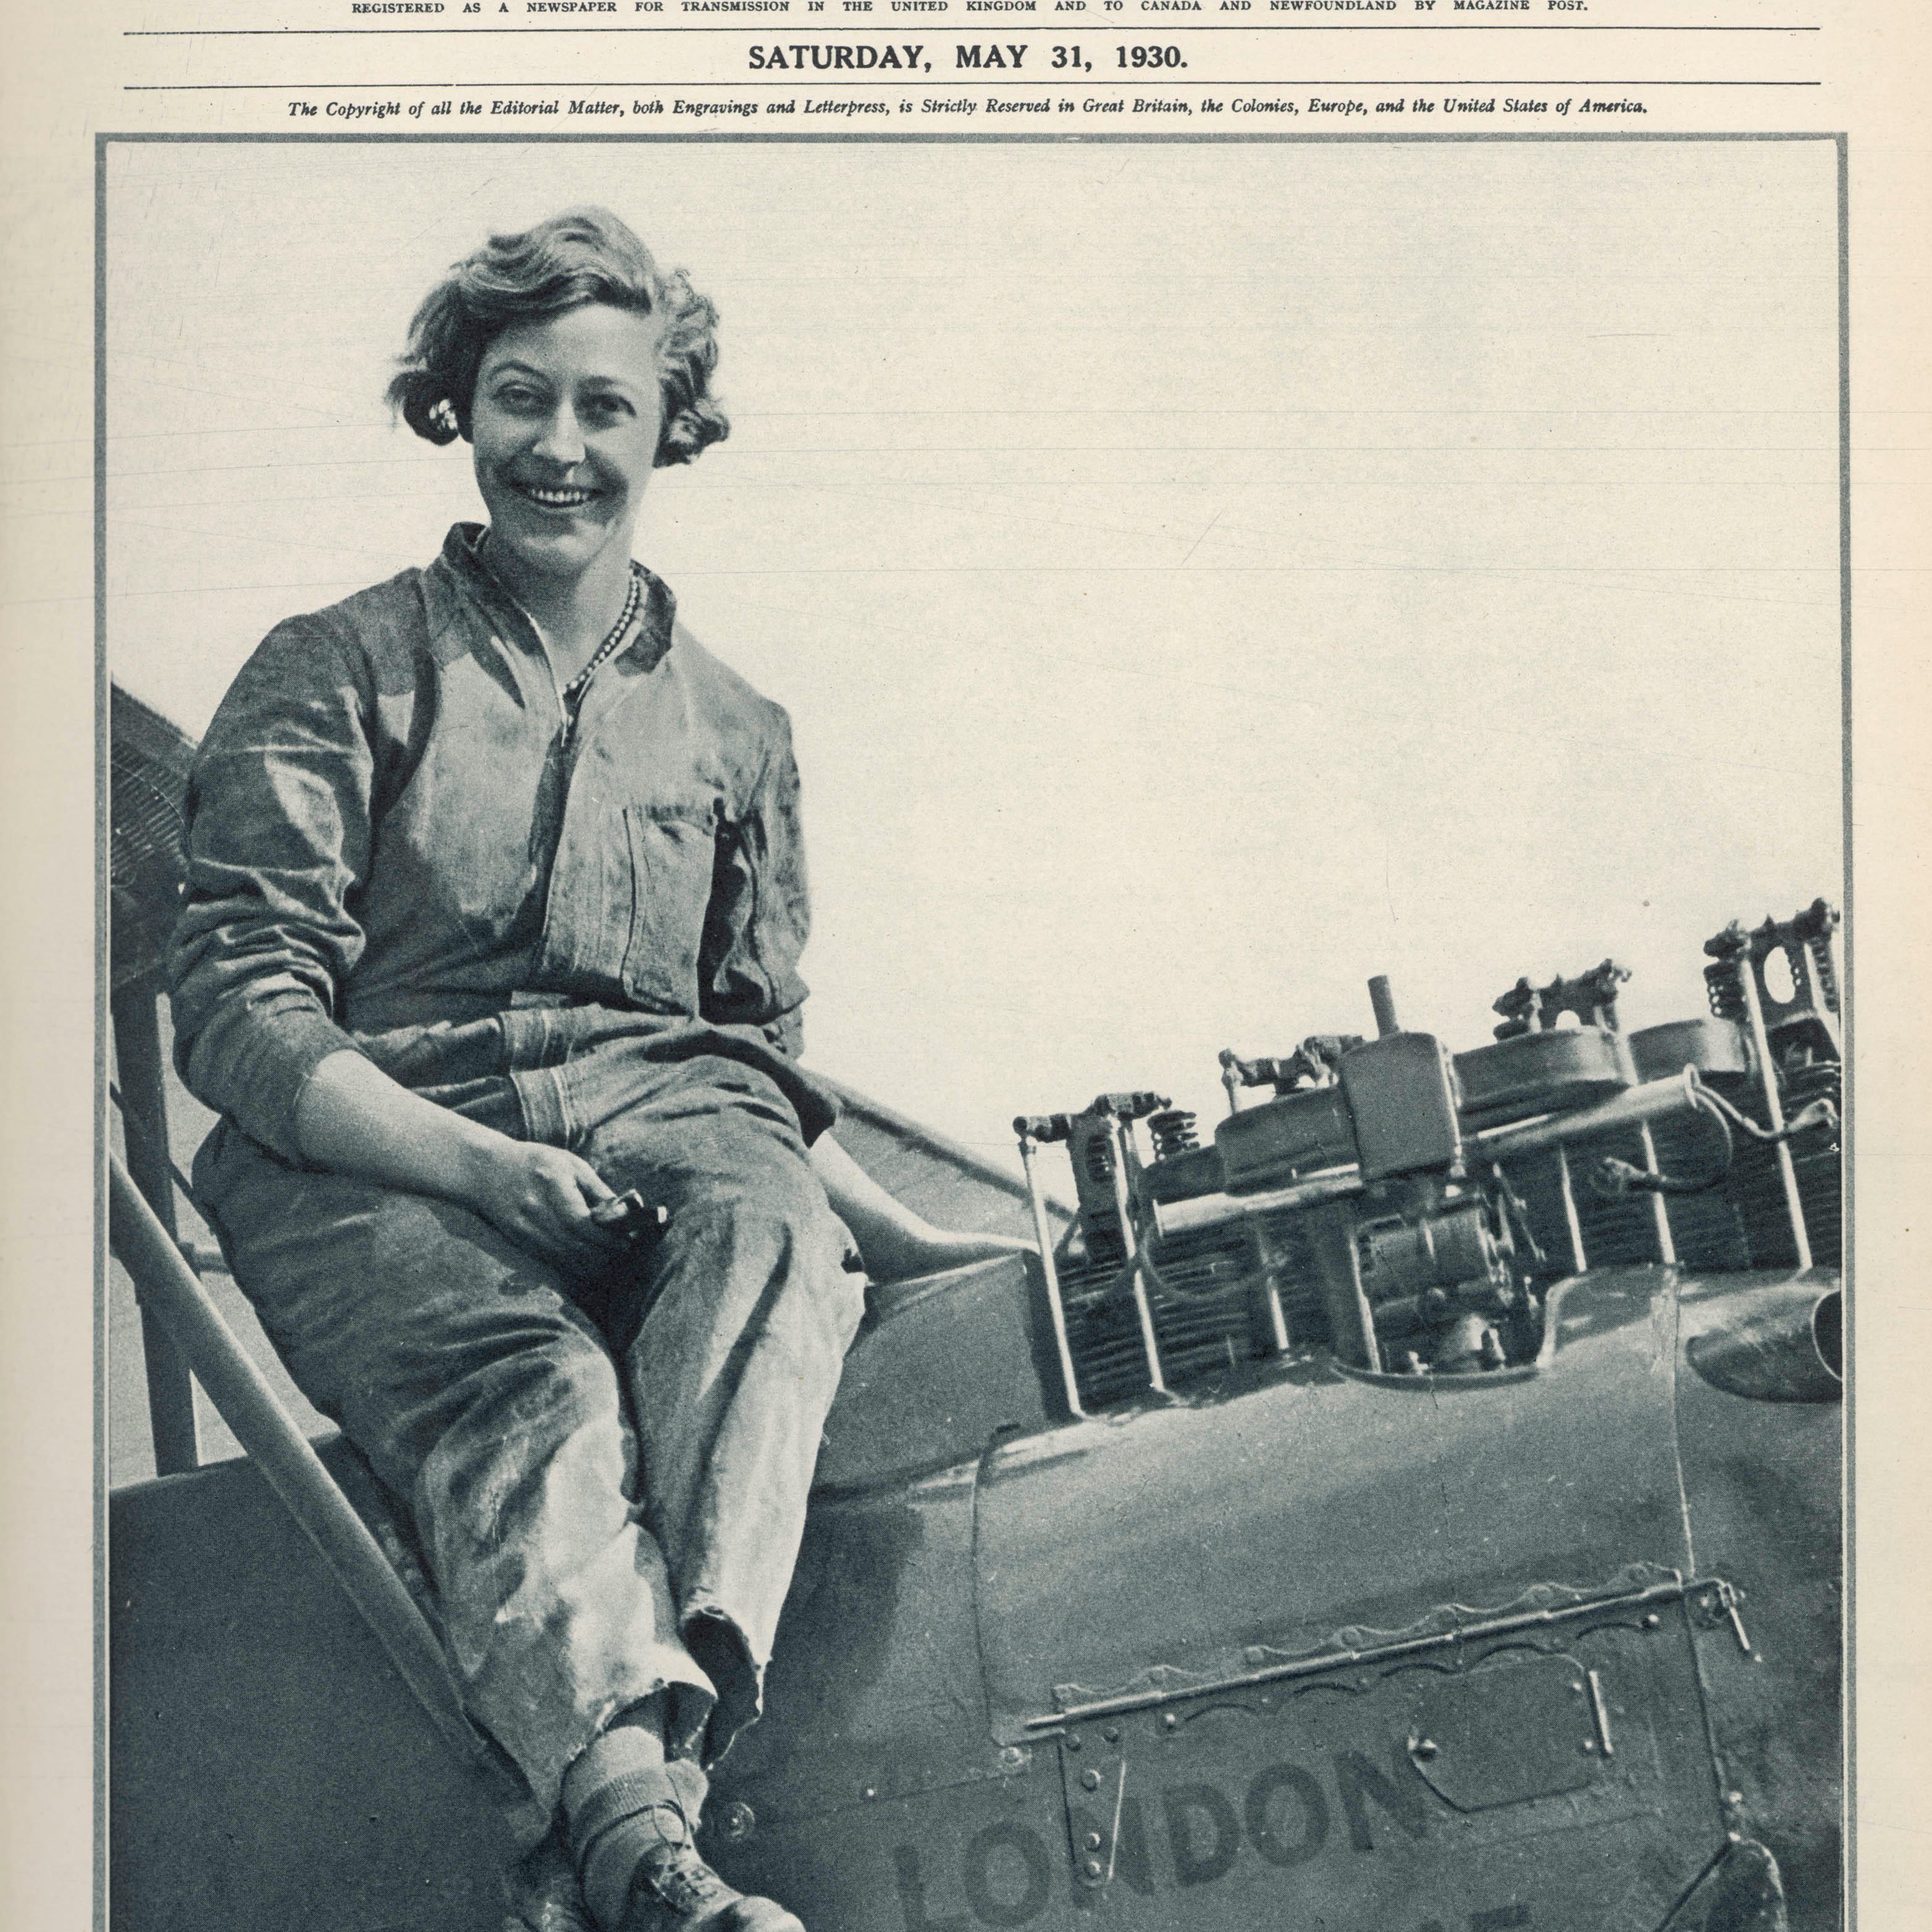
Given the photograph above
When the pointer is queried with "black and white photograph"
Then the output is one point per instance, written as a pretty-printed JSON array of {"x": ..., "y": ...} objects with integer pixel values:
[{"x": 978, "y": 1012}]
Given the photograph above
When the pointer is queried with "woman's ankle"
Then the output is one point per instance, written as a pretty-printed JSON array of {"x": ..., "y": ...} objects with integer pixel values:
[{"x": 623, "y": 1802}]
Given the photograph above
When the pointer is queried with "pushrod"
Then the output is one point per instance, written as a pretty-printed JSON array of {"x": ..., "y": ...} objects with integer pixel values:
[
  {"x": 244, "y": 1400},
  {"x": 1050, "y": 1275},
  {"x": 1117, "y": 1139}
]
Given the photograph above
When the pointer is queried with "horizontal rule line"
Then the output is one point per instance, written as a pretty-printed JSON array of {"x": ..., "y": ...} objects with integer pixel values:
[
  {"x": 1142, "y": 80},
  {"x": 888, "y": 24}
]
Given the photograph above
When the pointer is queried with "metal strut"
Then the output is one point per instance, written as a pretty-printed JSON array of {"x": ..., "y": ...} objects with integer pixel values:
[
  {"x": 1124, "y": 1208},
  {"x": 287, "y": 1458}
]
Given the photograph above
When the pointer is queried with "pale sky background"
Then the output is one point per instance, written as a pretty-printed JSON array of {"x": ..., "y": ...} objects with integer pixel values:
[{"x": 1200, "y": 576}]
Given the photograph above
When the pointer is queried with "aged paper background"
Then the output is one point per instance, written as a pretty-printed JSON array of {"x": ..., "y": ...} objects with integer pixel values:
[{"x": 1054, "y": 894}]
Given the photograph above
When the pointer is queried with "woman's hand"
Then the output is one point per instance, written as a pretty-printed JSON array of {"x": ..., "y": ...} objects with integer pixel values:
[
  {"x": 541, "y": 1197},
  {"x": 352, "y": 1118}
]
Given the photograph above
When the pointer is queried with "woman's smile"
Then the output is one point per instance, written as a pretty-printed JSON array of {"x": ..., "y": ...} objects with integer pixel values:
[{"x": 555, "y": 497}]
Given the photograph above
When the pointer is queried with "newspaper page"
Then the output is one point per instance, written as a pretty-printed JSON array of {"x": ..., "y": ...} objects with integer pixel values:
[{"x": 1347, "y": 576}]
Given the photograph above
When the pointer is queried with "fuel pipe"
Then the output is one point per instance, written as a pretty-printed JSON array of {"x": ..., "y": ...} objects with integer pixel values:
[
  {"x": 1614, "y": 1177},
  {"x": 1655, "y": 1100}
]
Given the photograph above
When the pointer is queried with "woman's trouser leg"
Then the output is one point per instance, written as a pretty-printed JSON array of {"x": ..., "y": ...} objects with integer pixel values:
[
  {"x": 754, "y": 1296},
  {"x": 485, "y": 1397}
]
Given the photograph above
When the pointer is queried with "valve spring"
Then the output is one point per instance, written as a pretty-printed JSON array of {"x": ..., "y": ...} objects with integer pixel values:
[
  {"x": 1173, "y": 1133},
  {"x": 1828, "y": 978},
  {"x": 1823, "y": 1079}
]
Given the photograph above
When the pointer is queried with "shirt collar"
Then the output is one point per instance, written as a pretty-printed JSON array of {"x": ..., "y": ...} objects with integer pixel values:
[{"x": 459, "y": 579}]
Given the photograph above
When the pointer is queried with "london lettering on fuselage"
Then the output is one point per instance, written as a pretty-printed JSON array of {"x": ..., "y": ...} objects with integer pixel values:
[{"x": 1007, "y": 1873}]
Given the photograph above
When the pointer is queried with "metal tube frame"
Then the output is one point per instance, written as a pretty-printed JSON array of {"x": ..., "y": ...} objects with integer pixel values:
[
  {"x": 1217, "y": 1210},
  {"x": 1654, "y": 1100},
  {"x": 1268, "y": 1265},
  {"x": 1351, "y": 1321},
  {"x": 1056, "y": 1307}
]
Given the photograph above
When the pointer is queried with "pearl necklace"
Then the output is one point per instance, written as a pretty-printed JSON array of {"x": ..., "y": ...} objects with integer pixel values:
[
  {"x": 572, "y": 693},
  {"x": 571, "y": 696}
]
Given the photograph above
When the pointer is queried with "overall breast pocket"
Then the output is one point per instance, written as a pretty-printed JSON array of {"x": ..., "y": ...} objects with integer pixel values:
[{"x": 673, "y": 851}]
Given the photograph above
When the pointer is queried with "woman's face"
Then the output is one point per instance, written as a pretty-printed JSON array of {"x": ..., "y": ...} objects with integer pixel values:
[{"x": 565, "y": 423}]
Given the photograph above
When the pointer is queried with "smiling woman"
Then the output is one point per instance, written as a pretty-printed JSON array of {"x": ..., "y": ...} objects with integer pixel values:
[
  {"x": 575, "y": 366},
  {"x": 495, "y": 902}
]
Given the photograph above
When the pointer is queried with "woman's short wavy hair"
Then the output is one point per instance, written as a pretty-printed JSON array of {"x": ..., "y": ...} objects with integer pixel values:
[{"x": 584, "y": 255}]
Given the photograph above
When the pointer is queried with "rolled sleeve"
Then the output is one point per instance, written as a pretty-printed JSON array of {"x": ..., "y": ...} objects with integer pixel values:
[
  {"x": 760, "y": 916},
  {"x": 278, "y": 842}
]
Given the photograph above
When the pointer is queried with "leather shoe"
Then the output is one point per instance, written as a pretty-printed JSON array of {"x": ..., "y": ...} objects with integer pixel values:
[{"x": 675, "y": 1890}]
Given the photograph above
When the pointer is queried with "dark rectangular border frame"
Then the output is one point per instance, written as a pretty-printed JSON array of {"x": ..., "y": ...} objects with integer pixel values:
[{"x": 103, "y": 141}]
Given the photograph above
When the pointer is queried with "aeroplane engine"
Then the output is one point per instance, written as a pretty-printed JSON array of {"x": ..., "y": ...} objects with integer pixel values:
[{"x": 1406, "y": 1210}]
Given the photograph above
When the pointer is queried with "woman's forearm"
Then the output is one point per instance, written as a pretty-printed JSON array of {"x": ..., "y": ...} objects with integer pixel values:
[
  {"x": 352, "y": 1118},
  {"x": 895, "y": 1243}
]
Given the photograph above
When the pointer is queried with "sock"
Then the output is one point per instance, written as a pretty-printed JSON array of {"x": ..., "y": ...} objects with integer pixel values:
[{"x": 623, "y": 1802}]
